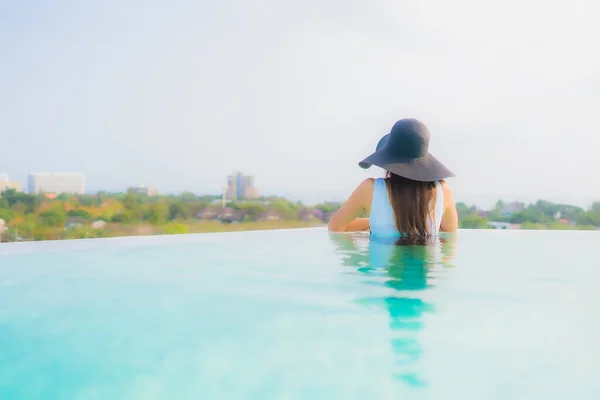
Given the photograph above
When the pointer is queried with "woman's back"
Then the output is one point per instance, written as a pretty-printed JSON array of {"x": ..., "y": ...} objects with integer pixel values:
[
  {"x": 418, "y": 203},
  {"x": 382, "y": 220}
]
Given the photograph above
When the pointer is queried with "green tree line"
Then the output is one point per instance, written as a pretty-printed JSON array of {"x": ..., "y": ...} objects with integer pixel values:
[
  {"x": 539, "y": 215},
  {"x": 38, "y": 217}
]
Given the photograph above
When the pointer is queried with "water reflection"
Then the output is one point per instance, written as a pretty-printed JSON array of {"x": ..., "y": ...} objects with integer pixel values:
[{"x": 402, "y": 266}]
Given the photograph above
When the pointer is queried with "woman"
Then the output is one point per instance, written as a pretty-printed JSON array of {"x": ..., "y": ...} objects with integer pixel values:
[{"x": 413, "y": 200}]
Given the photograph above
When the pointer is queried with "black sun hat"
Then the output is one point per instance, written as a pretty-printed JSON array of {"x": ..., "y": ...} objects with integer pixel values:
[{"x": 405, "y": 152}]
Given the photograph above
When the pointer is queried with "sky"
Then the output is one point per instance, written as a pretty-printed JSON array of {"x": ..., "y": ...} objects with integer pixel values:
[{"x": 179, "y": 94}]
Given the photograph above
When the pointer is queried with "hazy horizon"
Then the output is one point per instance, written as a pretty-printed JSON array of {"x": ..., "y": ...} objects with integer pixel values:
[
  {"x": 179, "y": 95},
  {"x": 486, "y": 201}
]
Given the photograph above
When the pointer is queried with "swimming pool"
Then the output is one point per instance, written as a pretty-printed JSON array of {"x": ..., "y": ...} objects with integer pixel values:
[{"x": 301, "y": 314}]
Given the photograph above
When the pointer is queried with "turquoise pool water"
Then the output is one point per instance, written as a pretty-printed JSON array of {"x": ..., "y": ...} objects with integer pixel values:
[{"x": 301, "y": 314}]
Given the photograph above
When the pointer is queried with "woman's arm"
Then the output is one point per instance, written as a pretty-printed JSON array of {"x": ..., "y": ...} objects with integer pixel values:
[
  {"x": 359, "y": 224},
  {"x": 346, "y": 218},
  {"x": 450, "y": 217}
]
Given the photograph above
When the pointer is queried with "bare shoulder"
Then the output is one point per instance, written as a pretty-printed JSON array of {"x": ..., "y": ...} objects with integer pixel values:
[
  {"x": 448, "y": 194},
  {"x": 446, "y": 187},
  {"x": 368, "y": 183},
  {"x": 449, "y": 221},
  {"x": 364, "y": 191},
  {"x": 362, "y": 195}
]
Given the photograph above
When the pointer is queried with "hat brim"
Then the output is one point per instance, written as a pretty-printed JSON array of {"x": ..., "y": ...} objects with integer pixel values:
[{"x": 423, "y": 169}]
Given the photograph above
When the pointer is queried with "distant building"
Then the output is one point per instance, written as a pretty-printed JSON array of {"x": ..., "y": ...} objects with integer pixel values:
[
  {"x": 98, "y": 224},
  {"x": 74, "y": 222},
  {"x": 270, "y": 215},
  {"x": 48, "y": 182},
  {"x": 145, "y": 190},
  {"x": 251, "y": 193},
  {"x": 306, "y": 214},
  {"x": 208, "y": 213},
  {"x": 5, "y": 184},
  {"x": 229, "y": 215},
  {"x": 15, "y": 185},
  {"x": 503, "y": 225},
  {"x": 240, "y": 186}
]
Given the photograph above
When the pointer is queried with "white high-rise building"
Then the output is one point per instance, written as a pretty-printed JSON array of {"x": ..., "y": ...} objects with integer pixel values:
[{"x": 49, "y": 182}]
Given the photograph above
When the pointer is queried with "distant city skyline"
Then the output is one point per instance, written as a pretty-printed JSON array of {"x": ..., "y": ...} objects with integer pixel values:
[
  {"x": 240, "y": 186},
  {"x": 6, "y": 183},
  {"x": 145, "y": 190},
  {"x": 484, "y": 201},
  {"x": 56, "y": 182}
]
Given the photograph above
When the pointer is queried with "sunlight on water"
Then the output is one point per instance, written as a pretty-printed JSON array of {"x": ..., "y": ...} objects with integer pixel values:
[{"x": 301, "y": 314}]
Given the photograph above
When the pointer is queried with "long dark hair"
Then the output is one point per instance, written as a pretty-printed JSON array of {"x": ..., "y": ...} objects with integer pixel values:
[{"x": 411, "y": 203}]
